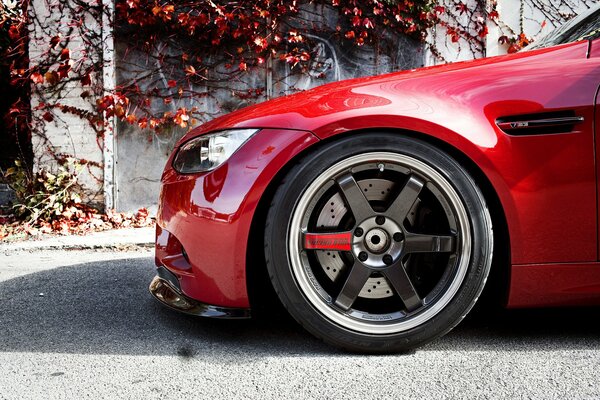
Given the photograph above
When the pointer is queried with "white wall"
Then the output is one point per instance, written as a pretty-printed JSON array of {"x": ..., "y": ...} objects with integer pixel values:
[
  {"x": 534, "y": 20},
  {"x": 67, "y": 133},
  {"x": 72, "y": 135}
]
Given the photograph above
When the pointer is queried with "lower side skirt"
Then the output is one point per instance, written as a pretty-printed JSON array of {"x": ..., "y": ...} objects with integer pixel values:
[{"x": 554, "y": 285}]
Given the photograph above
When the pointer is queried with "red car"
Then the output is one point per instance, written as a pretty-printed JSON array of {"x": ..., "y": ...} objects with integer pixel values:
[{"x": 379, "y": 207}]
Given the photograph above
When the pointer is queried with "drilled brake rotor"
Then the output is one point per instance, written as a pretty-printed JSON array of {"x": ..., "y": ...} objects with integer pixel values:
[{"x": 331, "y": 216}]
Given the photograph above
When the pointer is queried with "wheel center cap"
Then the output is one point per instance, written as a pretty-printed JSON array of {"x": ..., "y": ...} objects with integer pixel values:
[{"x": 377, "y": 240}]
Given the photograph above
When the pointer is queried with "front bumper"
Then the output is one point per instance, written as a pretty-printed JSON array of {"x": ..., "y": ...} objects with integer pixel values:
[
  {"x": 204, "y": 220},
  {"x": 165, "y": 288}
]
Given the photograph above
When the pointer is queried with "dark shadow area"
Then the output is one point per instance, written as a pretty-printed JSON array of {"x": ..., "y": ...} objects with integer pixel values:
[
  {"x": 489, "y": 328},
  {"x": 105, "y": 308}
]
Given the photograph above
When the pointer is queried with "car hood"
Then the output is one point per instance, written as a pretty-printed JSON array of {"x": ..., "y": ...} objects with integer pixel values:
[{"x": 400, "y": 93}]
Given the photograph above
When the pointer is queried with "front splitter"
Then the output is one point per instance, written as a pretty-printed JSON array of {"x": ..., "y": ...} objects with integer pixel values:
[{"x": 164, "y": 288}]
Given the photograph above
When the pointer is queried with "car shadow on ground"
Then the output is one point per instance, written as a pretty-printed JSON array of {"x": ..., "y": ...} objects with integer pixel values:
[{"x": 105, "y": 308}]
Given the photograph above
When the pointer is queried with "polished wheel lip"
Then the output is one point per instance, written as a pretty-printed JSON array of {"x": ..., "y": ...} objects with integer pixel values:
[{"x": 313, "y": 291}]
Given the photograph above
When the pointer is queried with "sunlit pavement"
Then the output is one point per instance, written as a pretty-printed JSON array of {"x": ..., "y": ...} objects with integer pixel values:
[{"x": 77, "y": 324}]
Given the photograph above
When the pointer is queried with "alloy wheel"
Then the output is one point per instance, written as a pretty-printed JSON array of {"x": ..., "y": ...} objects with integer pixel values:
[{"x": 379, "y": 243}]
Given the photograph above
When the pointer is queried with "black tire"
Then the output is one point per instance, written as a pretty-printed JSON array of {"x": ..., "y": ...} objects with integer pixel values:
[{"x": 341, "y": 322}]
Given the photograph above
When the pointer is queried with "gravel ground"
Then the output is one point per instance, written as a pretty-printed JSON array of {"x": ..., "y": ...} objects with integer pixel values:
[{"x": 81, "y": 324}]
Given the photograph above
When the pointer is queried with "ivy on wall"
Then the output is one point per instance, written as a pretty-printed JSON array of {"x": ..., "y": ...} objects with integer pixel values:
[
  {"x": 14, "y": 103},
  {"x": 190, "y": 45},
  {"x": 206, "y": 43},
  {"x": 245, "y": 33}
]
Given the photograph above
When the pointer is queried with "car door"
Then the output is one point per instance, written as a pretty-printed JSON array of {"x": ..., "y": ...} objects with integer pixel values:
[{"x": 594, "y": 56}]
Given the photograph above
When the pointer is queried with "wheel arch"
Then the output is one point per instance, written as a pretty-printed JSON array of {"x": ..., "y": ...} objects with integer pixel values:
[{"x": 495, "y": 291}]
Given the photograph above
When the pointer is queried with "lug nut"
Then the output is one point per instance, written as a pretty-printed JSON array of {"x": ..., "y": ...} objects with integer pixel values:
[
  {"x": 387, "y": 259},
  {"x": 358, "y": 232},
  {"x": 362, "y": 256},
  {"x": 380, "y": 220},
  {"x": 398, "y": 236}
]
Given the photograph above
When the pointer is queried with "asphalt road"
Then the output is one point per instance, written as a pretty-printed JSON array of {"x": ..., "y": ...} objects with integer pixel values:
[{"x": 81, "y": 324}]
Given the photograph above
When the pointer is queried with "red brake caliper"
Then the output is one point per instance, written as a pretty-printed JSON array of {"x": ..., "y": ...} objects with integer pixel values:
[{"x": 328, "y": 241}]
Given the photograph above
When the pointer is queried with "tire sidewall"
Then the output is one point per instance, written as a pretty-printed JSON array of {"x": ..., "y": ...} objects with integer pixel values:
[{"x": 277, "y": 235}]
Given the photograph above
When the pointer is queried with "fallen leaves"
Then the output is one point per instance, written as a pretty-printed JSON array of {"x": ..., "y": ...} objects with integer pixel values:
[{"x": 77, "y": 220}]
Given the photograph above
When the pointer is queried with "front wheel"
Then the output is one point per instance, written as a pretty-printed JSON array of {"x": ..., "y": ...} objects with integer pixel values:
[{"x": 378, "y": 243}]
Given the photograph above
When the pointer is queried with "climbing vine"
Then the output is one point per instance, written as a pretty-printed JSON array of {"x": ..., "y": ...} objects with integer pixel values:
[
  {"x": 205, "y": 45},
  {"x": 173, "y": 58}
]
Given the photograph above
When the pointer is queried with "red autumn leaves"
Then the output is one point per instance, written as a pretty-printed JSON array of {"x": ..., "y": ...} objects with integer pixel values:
[
  {"x": 516, "y": 43},
  {"x": 76, "y": 219},
  {"x": 62, "y": 66},
  {"x": 247, "y": 32}
]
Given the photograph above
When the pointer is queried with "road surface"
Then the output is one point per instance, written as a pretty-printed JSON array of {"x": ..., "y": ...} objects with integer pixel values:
[{"x": 81, "y": 324}]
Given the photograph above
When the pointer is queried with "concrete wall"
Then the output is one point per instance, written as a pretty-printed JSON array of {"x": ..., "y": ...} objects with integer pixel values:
[
  {"x": 66, "y": 133},
  {"x": 139, "y": 155},
  {"x": 450, "y": 51},
  {"x": 534, "y": 20},
  {"x": 534, "y": 17}
]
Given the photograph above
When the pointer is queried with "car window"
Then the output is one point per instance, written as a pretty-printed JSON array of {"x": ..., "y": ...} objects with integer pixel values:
[{"x": 584, "y": 26}]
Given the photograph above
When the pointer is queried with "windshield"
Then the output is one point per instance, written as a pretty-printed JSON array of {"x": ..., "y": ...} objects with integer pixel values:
[{"x": 585, "y": 26}]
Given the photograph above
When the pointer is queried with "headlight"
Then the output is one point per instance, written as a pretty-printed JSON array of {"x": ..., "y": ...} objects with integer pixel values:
[{"x": 209, "y": 151}]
